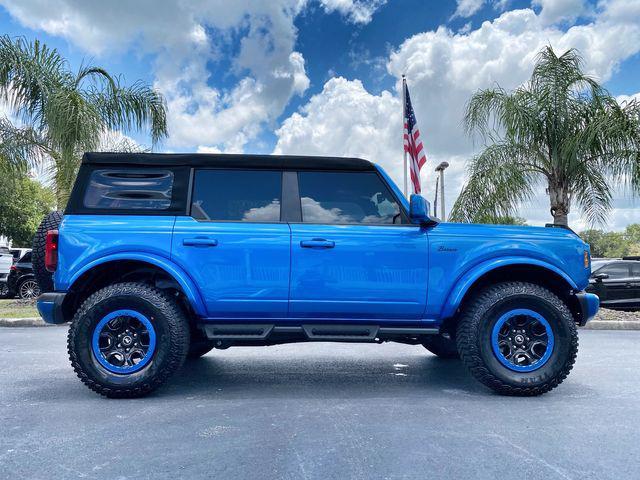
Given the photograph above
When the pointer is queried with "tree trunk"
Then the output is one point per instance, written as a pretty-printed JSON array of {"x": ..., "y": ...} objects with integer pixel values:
[{"x": 559, "y": 201}]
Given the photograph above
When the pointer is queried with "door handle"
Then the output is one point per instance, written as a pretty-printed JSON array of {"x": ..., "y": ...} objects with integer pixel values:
[
  {"x": 317, "y": 243},
  {"x": 199, "y": 242}
]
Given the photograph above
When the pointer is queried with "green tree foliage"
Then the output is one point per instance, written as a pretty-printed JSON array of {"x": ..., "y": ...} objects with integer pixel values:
[
  {"x": 504, "y": 220},
  {"x": 23, "y": 203},
  {"x": 62, "y": 113},
  {"x": 613, "y": 244},
  {"x": 561, "y": 130}
]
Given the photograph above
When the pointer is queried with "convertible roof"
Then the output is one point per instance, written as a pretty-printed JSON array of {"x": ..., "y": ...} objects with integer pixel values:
[{"x": 220, "y": 160}]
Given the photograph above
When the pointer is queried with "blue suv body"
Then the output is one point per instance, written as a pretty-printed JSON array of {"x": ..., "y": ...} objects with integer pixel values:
[{"x": 193, "y": 252}]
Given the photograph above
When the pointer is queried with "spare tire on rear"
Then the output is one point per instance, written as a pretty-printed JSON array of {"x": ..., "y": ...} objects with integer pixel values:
[{"x": 43, "y": 276}]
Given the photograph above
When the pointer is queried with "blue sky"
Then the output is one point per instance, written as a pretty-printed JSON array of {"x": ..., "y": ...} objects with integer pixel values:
[{"x": 322, "y": 76}]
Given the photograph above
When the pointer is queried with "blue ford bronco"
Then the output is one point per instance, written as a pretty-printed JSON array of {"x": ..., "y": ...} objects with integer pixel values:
[{"x": 161, "y": 257}]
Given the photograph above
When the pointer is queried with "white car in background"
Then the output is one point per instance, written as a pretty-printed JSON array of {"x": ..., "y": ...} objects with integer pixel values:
[{"x": 6, "y": 261}]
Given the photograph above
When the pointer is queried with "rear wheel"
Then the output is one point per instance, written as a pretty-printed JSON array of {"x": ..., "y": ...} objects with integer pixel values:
[
  {"x": 518, "y": 339},
  {"x": 441, "y": 346},
  {"x": 127, "y": 339}
]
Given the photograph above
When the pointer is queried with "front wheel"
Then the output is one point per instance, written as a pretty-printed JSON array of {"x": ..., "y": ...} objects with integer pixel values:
[
  {"x": 518, "y": 339},
  {"x": 127, "y": 339}
]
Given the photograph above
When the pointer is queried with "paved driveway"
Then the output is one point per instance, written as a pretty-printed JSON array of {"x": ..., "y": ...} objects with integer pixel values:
[{"x": 326, "y": 411}]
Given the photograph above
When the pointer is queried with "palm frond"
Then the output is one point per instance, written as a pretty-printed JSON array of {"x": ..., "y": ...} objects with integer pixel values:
[
  {"x": 29, "y": 72},
  {"x": 21, "y": 148},
  {"x": 136, "y": 107},
  {"x": 500, "y": 178}
]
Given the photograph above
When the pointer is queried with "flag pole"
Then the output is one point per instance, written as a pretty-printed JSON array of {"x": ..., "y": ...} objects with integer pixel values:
[{"x": 404, "y": 118}]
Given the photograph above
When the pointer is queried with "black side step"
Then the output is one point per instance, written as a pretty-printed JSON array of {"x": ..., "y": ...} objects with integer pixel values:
[
  {"x": 270, "y": 334},
  {"x": 238, "y": 331},
  {"x": 341, "y": 333}
]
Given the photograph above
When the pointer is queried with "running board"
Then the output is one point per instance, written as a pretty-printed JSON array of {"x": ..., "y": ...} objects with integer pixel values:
[{"x": 269, "y": 334}]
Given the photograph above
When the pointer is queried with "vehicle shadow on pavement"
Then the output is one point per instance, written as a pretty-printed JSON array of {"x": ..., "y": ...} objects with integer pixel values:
[{"x": 322, "y": 376}]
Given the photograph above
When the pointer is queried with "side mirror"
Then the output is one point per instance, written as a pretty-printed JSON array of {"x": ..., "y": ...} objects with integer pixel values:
[
  {"x": 600, "y": 276},
  {"x": 419, "y": 210}
]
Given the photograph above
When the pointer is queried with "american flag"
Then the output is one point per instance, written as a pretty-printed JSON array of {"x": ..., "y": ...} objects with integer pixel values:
[{"x": 412, "y": 143}]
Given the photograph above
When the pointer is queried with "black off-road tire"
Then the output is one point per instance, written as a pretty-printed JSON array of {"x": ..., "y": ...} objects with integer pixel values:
[
  {"x": 43, "y": 276},
  {"x": 441, "y": 346},
  {"x": 172, "y": 345},
  {"x": 474, "y": 338}
]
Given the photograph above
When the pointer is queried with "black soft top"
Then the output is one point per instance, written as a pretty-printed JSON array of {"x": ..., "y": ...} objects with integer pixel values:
[{"x": 223, "y": 160}]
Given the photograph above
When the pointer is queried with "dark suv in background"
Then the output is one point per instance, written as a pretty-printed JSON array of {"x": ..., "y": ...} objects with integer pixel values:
[
  {"x": 616, "y": 282},
  {"x": 21, "y": 281}
]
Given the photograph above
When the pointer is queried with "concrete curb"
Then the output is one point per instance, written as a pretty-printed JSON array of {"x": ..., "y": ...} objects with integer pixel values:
[
  {"x": 613, "y": 325},
  {"x": 23, "y": 322}
]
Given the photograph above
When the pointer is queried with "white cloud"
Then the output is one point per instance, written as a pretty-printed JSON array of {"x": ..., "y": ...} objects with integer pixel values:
[
  {"x": 623, "y": 99},
  {"x": 185, "y": 37},
  {"x": 444, "y": 69},
  {"x": 554, "y": 11},
  {"x": 467, "y": 8},
  {"x": 357, "y": 11},
  {"x": 344, "y": 119}
]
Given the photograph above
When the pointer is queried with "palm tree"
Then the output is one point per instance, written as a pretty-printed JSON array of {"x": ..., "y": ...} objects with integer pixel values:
[
  {"x": 62, "y": 114},
  {"x": 561, "y": 130}
]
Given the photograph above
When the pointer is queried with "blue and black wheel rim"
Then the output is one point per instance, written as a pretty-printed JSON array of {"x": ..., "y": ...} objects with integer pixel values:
[
  {"x": 124, "y": 341},
  {"x": 522, "y": 340}
]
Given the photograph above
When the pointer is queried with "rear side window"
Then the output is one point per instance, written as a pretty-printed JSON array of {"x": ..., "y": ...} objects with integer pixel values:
[
  {"x": 635, "y": 269},
  {"x": 131, "y": 189},
  {"x": 346, "y": 198},
  {"x": 26, "y": 258},
  {"x": 237, "y": 195}
]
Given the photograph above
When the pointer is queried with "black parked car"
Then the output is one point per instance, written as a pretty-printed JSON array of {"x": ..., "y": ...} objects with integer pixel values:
[
  {"x": 617, "y": 283},
  {"x": 21, "y": 281}
]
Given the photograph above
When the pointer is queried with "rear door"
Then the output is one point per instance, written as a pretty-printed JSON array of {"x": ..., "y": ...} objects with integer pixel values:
[
  {"x": 234, "y": 244},
  {"x": 354, "y": 256}
]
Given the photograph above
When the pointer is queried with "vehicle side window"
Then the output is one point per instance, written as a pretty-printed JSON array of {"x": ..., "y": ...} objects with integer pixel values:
[
  {"x": 26, "y": 258},
  {"x": 616, "y": 270},
  {"x": 346, "y": 198},
  {"x": 237, "y": 195},
  {"x": 635, "y": 269},
  {"x": 130, "y": 189}
]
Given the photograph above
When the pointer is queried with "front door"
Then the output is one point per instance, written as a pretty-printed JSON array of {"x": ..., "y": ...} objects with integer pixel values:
[
  {"x": 354, "y": 256},
  {"x": 234, "y": 246},
  {"x": 616, "y": 289}
]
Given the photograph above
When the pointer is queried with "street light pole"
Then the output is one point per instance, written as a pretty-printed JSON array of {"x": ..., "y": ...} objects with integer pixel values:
[{"x": 441, "y": 168}]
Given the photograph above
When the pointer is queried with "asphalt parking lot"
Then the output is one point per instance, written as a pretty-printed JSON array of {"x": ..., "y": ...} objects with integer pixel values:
[{"x": 326, "y": 411}]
